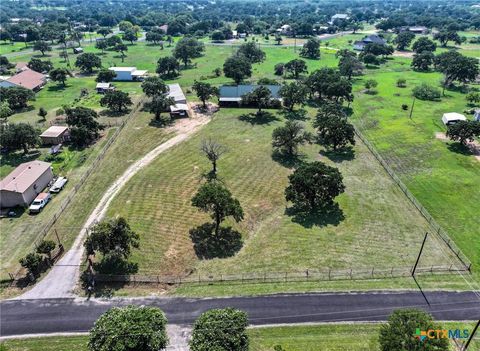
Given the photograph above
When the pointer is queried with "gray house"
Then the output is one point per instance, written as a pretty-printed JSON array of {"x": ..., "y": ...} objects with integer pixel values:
[
  {"x": 24, "y": 183},
  {"x": 232, "y": 94},
  {"x": 371, "y": 39}
]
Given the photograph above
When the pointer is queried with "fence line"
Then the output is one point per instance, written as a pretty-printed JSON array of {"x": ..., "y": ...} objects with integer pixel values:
[
  {"x": 272, "y": 277},
  {"x": 438, "y": 230},
  {"x": 48, "y": 226}
]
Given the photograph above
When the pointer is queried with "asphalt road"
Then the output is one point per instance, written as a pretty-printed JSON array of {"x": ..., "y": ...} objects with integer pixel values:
[{"x": 20, "y": 317}]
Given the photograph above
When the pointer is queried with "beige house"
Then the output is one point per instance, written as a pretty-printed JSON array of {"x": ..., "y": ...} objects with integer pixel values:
[
  {"x": 24, "y": 183},
  {"x": 55, "y": 135}
]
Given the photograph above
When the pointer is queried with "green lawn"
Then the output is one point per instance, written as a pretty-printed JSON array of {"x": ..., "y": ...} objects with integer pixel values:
[
  {"x": 444, "y": 180},
  {"x": 380, "y": 227},
  {"x": 326, "y": 337}
]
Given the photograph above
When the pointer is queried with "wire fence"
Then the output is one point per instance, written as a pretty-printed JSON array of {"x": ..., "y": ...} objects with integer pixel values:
[
  {"x": 279, "y": 277},
  {"x": 48, "y": 226},
  {"x": 437, "y": 229}
]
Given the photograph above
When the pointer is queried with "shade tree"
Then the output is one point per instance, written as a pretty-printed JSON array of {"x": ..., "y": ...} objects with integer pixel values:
[
  {"x": 294, "y": 93},
  {"x": 187, "y": 49},
  {"x": 18, "y": 136},
  {"x": 286, "y": 139},
  {"x": 116, "y": 100},
  {"x": 168, "y": 67},
  {"x": 295, "y": 67},
  {"x": 204, "y": 91},
  {"x": 88, "y": 61},
  {"x": 311, "y": 49},
  {"x": 238, "y": 68}
]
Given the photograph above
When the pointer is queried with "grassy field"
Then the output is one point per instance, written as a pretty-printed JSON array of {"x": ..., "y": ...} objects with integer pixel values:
[
  {"x": 378, "y": 226},
  {"x": 326, "y": 337},
  {"x": 259, "y": 181},
  {"x": 443, "y": 177}
]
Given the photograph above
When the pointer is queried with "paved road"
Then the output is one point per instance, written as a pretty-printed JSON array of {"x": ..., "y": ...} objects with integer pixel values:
[{"x": 20, "y": 317}]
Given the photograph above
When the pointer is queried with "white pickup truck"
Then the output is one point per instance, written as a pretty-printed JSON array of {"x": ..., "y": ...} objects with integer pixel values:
[
  {"x": 58, "y": 185},
  {"x": 39, "y": 203}
]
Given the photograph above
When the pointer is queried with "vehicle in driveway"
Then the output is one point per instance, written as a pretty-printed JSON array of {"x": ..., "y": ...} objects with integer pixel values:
[
  {"x": 58, "y": 185},
  {"x": 39, "y": 203}
]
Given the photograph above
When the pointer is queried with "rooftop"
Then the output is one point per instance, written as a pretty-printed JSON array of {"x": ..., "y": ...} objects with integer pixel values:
[
  {"x": 176, "y": 92},
  {"x": 235, "y": 92},
  {"x": 22, "y": 177},
  {"x": 123, "y": 69},
  {"x": 54, "y": 131},
  {"x": 28, "y": 79}
]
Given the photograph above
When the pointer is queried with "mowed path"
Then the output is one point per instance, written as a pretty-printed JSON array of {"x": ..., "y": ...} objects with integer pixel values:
[{"x": 63, "y": 277}]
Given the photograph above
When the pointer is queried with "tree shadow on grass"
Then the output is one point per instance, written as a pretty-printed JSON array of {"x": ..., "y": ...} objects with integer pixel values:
[
  {"x": 111, "y": 113},
  {"x": 207, "y": 245},
  {"x": 321, "y": 217},
  {"x": 258, "y": 118},
  {"x": 340, "y": 155},
  {"x": 298, "y": 115},
  {"x": 114, "y": 264},
  {"x": 57, "y": 87},
  {"x": 288, "y": 161},
  {"x": 16, "y": 158},
  {"x": 459, "y": 148},
  {"x": 161, "y": 123}
]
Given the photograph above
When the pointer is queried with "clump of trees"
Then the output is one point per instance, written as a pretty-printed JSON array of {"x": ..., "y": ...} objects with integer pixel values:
[
  {"x": 129, "y": 328},
  {"x": 16, "y": 97},
  {"x": 294, "y": 93},
  {"x": 39, "y": 65},
  {"x": 456, "y": 68},
  {"x": 328, "y": 84},
  {"x": 349, "y": 65},
  {"x": 18, "y": 136},
  {"x": 187, "y": 49},
  {"x": 295, "y": 68},
  {"x": 425, "y": 91},
  {"x": 220, "y": 329},
  {"x": 333, "y": 128},
  {"x": 157, "y": 90},
  {"x": 83, "y": 125},
  {"x": 114, "y": 239},
  {"x": 116, "y": 100},
  {"x": 205, "y": 91},
  {"x": 238, "y": 68},
  {"x": 59, "y": 75},
  {"x": 286, "y": 139},
  {"x": 464, "y": 131},
  {"x": 398, "y": 333},
  {"x": 251, "y": 52},
  {"x": 313, "y": 186},
  {"x": 168, "y": 67},
  {"x": 88, "y": 61},
  {"x": 404, "y": 39},
  {"x": 311, "y": 49}
]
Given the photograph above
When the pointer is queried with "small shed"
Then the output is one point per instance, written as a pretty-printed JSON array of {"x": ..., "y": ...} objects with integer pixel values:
[
  {"x": 102, "y": 88},
  {"x": 128, "y": 73},
  {"x": 452, "y": 118},
  {"x": 176, "y": 93},
  {"x": 55, "y": 135},
  {"x": 179, "y": 110},
  {"x": 77, "y": 50}
]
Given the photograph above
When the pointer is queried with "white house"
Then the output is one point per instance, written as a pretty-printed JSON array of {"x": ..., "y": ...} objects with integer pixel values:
[
  {"x": 452, "y": 118},
  {"x": 339, "y": 16},
  {"x": 128, "y": 73}
]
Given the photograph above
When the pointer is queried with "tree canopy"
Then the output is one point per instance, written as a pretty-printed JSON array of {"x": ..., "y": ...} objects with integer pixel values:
[
  {"x": 88, "y": 61},
  {"x": 187, "y": 49},
  {"x": 129, "y": 328},
  {"x": 18, "y": 136},
  {"x": 238, "y": 68},
  {"x": 287, "y": 138},
  {"x": 311, "y": 49}
]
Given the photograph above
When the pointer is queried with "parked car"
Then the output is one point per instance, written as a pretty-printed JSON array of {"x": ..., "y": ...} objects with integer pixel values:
[
  {"x": 39, "y": 203},
  {"x": 58, "y": 185}
]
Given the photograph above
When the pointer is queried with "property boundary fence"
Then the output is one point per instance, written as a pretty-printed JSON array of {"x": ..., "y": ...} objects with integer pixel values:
[
  {"x": 48, "y": 226},
  {"x": 278, "y": 277},
  {"x": 438, "y": 230}
]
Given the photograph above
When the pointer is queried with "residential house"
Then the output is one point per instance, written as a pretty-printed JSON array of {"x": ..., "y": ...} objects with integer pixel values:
[
  {"x": 286, "y": 29},
  {"x": 232, "y": 94},
  {"x": 77, "y": 50},
  {"x": 26, "y": 78},
  {"x": 129, "y": 73},
  {"x": 339, "y": 17},
  {"x": 418, "y": 29},
  {"x": 452, "y": 118},
  {"x": 24, "y": 183},
  {"x": 360, "y": 44},
  {"x": 55, "y": 135}
]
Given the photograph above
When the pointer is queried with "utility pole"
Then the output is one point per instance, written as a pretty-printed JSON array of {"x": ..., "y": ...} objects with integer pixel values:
[
  {"x": 419, "y": 254},
  {"x": 471, "y": 336},
  {"x": 411, "y": 109}
]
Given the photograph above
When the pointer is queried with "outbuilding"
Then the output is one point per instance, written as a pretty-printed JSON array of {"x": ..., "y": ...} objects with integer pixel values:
[
  {"x": 176, "y": 93},
  {"x": 102, "y": 88},
  {"x": 24, "y": 183},
  {"x": 452, "y": 118},
  {"x": 128, "y": 73},
  {"x": 55, "y": 135},
  {"x": 232, "y": 94}
]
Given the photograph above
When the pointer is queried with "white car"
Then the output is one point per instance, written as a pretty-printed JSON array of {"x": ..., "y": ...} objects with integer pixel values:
[
  {"x": 39, "y": 203},
  {"x": 58, "y": 185}
]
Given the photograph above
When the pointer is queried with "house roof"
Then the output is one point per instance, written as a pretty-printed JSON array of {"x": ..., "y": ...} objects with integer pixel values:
[
  {"x": 54, "y": 131},
  {"x": 179, "y": 107},
  {"x": 123, "y": 69},
  {"x": 28, "y": 79},
  {"x": 340, "y": 16},
  {"x": 139, "y": 72},
  {"x": 20, "y": 66},
  {"x": 22, "y": 177},
  {"x": 374, "y": 39},
  {"x": 235, "y": 92},
  {"x": 176, "y": 92},
  {"x": 453, "y": 116}
]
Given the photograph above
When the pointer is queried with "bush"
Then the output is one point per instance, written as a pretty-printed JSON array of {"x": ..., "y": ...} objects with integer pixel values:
[
  {"x": 401, "y": 82},
  {"x": 426, "y": 92},
  {"x": 404, "y": 107}
]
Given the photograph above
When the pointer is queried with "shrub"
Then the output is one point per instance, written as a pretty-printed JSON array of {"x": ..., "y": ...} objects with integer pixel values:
[
  {"x": 401, "y": 82},
  {"x": 404, "y": 107},
  {"x": 426, "y": 92}
]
